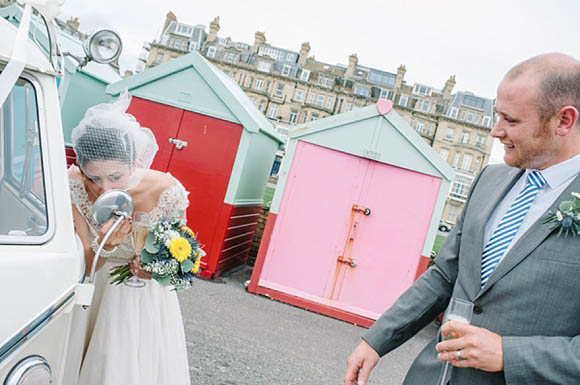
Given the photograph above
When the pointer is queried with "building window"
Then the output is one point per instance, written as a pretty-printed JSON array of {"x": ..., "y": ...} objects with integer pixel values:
[
  {"x": 159, "y": 59},
  {"x": 211, "y": 52},
  {"x": 305, "y": 75},
  {"x": 386, "y": 94},
  {"x": 421, "y": 90},
  {"x": 470, "y": 117},
  {"x": 290, "y": 57},
  {"x": 420, "y": 127},
  {"x": 426, "y": 106},
  {"x": 362, "y": 91},
  {"x": 348, "y": 106},
  {"x": 403, "y": 100},
  {"x": 259, "y": 84},
  {"x": 286, "y": 70},
  {"x": 264, "y": 66},
  {"x": 462, "y": 116},
  {"x": 311, "y": 98},
  {"x": 293, "y": 116},
  {"x": 313, "y": 117},
  {"x": 449, "y": 133},
  {"x": 456, "y": 159},
  {"x": 479, "y": 142},
  {"x": 460, "y": 187},
  {"x": 452, "y": 213},
  {"x": 320, "y": 100},
  {"x": 253, "y": 100},
  {"x": 486, "y": 121},
  {"x": 267, "y": 86},
  {"x": 279, "y": 90},
  {"x": 444, "y": 153},
  {"x": 477, "y": 163},
  {"x": 328, "y": 102},
  {"x": 356, "y": 106},
  {"x": 325, "y": 82},
  {"x": 466, "y": 164},
  {"x": 230, "y": 58},
  {"x": 412, "y": 123},
  {"x": 262, "y": 105},
  {"x": 192, "y": 46},
  {"x": 299, "y": 95},
  {"x": 273, "y": 111},
  {"x": 453, "y": 113},
  {"x": 465, "y": 137},
  {"x": 429, "y": 130}
]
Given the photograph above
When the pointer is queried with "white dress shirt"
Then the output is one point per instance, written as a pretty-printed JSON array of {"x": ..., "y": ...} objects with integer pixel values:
[{"x": 557, "y": 177}]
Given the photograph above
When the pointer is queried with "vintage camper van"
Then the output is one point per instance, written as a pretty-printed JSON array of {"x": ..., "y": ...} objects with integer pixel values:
[{"x": 41, "y": 260}]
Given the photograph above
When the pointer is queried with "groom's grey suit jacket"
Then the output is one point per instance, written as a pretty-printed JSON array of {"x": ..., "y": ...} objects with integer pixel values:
[{"x": 532, "y": 299}]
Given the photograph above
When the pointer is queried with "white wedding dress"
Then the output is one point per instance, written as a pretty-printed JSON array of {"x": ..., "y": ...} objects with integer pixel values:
[{"x": 135, "y": 336}]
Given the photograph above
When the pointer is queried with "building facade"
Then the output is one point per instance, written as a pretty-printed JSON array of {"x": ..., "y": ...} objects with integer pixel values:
[{"x": 292, "y": 87}]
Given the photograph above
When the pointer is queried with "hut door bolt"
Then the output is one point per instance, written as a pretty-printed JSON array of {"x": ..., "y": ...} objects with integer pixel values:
[{"x": 179, "y": 144}]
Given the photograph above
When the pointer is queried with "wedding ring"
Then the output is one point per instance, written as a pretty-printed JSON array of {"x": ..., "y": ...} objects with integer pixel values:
[{"x": 458, "y": 354}]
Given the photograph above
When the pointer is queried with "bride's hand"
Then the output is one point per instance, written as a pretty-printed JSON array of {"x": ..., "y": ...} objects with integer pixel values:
[
  {"x": 118, "y": 236},
  {"x": 136, "y": 269}
]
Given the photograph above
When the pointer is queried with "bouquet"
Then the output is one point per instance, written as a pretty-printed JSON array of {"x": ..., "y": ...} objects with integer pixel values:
[{"x": 171, "y": 254}]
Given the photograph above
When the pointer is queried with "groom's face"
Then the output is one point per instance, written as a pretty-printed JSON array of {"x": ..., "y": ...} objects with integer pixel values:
[{"x": 529, "y": 142}]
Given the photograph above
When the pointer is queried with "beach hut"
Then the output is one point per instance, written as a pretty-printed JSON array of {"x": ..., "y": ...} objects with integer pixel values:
[
  {"x": 216, "y": 142},
  {"x": 354, "y": 215}
]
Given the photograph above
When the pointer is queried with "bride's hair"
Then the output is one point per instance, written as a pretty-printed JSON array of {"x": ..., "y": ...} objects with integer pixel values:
[
  {"x": 107, "y": 132},
  {"x": 104, "y": 144}
]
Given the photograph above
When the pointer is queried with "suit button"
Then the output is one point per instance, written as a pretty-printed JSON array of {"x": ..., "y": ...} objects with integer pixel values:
[{"x": 477, "y": 309}]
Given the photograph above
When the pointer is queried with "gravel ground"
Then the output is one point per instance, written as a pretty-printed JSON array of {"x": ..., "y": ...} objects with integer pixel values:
[{"x": 238, "y": 338}]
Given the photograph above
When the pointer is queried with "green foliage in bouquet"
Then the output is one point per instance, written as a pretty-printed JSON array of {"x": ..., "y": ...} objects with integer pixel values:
[{"x": 172, "y": 255}]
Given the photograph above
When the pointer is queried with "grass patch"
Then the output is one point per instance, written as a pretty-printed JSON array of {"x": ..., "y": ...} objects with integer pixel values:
[
  {"x": 438, "y": 242},
  {"x": 268, "y": 195}
]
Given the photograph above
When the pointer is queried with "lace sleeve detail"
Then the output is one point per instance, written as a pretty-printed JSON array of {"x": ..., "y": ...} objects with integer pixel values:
[
  {"x": 172, "y": 202},
  {"x": 80, "y": 199}
]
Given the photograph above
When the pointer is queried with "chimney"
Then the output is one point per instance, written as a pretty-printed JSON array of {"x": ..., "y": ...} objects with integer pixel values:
[
  {"x": 214, "y": 28},
  {"x": 259, "y": 39},
  {"x": 352, "y": 62},
  {"x": 73, "y": 23},
  {"x": 168, "y": 19},
  {"x": 449, "y": 84},
  {"x": 400, "y": 75},
  {"x": 304, "y": 50}
]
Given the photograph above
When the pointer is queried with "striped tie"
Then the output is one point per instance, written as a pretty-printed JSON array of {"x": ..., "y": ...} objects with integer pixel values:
[{"x": 507, "y": 228}]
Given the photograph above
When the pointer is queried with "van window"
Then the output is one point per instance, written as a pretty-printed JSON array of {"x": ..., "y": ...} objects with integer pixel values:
[{"x": 22, "y": 191}]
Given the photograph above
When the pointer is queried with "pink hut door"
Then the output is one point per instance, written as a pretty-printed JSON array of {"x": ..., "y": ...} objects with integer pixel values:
[{"x": 326, "y": 249}]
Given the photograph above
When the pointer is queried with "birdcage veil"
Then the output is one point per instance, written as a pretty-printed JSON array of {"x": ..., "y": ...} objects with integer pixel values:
[{"x": 107, "y": 136}]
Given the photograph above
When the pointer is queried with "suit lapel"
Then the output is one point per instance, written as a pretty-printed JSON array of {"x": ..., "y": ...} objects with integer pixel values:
[
  {"x": 490, "y": 196},
  {"x": 529, "y": 240}
]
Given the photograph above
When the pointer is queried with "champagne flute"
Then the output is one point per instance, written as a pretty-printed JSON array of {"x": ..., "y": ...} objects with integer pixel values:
[
  {"x": 139, "y": 236},
  {"x": 461, "y": 311}
]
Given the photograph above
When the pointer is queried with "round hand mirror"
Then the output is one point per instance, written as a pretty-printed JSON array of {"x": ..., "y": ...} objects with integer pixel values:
[{"x": 113, "y": 203}]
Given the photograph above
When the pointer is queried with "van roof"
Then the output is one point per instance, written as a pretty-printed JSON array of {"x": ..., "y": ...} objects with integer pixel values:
[{"x": 36, "y": 59}]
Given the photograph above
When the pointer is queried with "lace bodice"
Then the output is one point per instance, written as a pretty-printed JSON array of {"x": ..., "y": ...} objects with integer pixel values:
[{"x": 171, "y": 202}]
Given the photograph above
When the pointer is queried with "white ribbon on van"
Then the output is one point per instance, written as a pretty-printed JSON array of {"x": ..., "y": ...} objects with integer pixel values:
[{"x": 9, "y": 76}]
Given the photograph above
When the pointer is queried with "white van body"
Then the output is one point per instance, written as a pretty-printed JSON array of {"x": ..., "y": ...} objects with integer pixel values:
[{"x": 40, "y": 258}]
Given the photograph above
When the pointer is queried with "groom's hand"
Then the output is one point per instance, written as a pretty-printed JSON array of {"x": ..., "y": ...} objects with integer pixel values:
[
  {"x": 479, "y": 348},
  {"x": 359, "y": 364}
]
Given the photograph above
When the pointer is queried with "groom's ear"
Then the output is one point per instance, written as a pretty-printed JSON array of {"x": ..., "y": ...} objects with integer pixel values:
[{"x": 567, "y": 120}]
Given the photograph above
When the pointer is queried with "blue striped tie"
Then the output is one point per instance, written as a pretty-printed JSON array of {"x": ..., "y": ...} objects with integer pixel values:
[{"x": 507, "y": 228}]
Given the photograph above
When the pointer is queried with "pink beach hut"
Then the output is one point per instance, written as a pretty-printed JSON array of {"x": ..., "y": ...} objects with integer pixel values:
[{"x": 354, "y": 215}]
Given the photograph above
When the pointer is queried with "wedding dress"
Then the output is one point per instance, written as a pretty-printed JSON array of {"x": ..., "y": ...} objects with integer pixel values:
[{"x": 135, "y": 336}]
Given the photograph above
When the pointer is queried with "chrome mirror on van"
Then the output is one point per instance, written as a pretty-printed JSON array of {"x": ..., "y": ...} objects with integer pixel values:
[{"x": 111, "y": 204}]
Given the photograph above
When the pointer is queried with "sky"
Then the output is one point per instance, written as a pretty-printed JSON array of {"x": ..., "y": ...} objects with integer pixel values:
[{"x": 477, "y": 41}]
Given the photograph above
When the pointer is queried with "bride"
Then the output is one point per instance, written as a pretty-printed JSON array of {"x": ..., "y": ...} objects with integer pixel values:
[{"x": 135, "y": 335}]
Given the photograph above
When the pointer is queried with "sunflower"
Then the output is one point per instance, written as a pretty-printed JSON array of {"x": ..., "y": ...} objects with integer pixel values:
[
  {"x": 187, "y": 231},
  {"x": 195, "y": 268},
  {"x": 180, "y": 249}
]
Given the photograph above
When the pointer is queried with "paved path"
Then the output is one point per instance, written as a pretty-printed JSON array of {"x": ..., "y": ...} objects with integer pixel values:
[{"x": 238, "y": 338}]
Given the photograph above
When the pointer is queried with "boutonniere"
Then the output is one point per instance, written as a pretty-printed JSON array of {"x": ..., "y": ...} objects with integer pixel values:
[{"x": 567, "y": 218}]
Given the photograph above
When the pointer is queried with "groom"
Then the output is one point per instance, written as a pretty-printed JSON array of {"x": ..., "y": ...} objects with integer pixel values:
[{"x": 523, "y": 279}]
